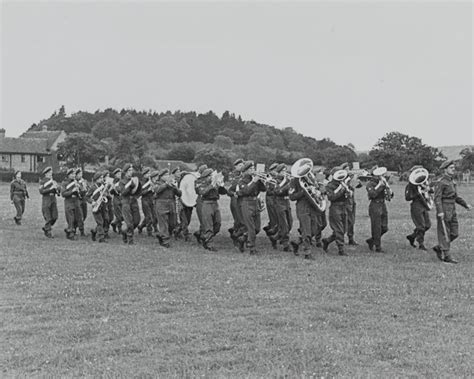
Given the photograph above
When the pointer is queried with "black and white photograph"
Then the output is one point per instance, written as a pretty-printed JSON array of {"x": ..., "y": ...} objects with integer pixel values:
[{"x": 236, "y": 189}]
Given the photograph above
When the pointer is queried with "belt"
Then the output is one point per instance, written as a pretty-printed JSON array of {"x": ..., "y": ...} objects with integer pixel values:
[
  {"x": 209, "y": 201},
  {"x": 283, "y": 197},
  {"x": 380, "y": 201},
  {"x": 249, "y": 198}
]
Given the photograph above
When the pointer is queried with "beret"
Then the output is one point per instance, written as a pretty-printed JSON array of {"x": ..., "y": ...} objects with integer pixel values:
[
  {"x": 202, "y": 168},
  {"x": 146, "y": 170},
  {"x": 16, "y": 172},
  {"x": 70, "y": 171},
  {"x": 238, "y": 161},
  {"x": 247, "y": 165},
  {"x": 273, "y": 166},
  {"x": 154, "y": 173},
  {"x": 97, "y": 175},
  {"x": 207, "y": 172},
  {"x": 446, "y": 164},
  {"x": 116, "y": 170},
  {"x": 280, "y": 167},
  {"x": 127, "y": 167},
  {"x": 46, "y": 169},
  {"x": 162, "y": 172},
  {"x": 173, "y": 171}
]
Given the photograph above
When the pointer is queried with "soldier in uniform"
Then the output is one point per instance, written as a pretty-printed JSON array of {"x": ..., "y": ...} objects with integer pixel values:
[
  {"x": 94, "y": 195},
  {"x": 211, "y": 215},
  {"x": 165, "y": 192},
  {"x": 378, "y": 192},
  {"x": 248, "y": 189},
  {"x": 70, "y": 192},
  {"x": 183, "y": 212},
  {"x": 337, "y": 193},
  {"x": 272, "y": 226},
  {"x": 199, "y": 232},
  {"x": 419, "y": 214},
  {"x": 18, "y": 194},
  {"x": 238, "y": 227},
  {"x": 129, "y": 189},
  {"x": 83, "y": 188},
  {"x": 445, "y": 199},
  {"x": 48, "y": 188},
  {"x": 109, "y": 206},
  {"x": 116, "y": 201},
  {"x": 148, "y": 205},
  {"x": 282, "y": 208}
]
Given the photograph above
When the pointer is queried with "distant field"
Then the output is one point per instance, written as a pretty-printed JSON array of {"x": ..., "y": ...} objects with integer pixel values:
[{"x": 107, "y": 310}]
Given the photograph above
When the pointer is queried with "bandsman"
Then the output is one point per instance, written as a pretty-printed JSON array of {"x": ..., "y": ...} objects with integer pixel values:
[
  {"x": 352, "y": 183},
  {"x": 165, "y": 191},
  {"x": 272, "y": 227},
  {"x": 70, "y": 192},
  {"x": 129, "y": 189},
  {"x": 148, "y": 205},
  {"x": 109, "y": 204},
  {"x": 95, "y": 195},
  {"x": 116, "y": 201},
  {"x": 199, "y": 232},
  {"x": 18, "y": 195},
  {"x": 238, "y": 227},
  {"x": 445, "y": 199},
  {"x": 48, "y": 189},
  {"x": 282, "y": 208},
  {"x": 248, "y": 189},
  {"x": 83, "y": 189},
  {"x": 183, "y": 213}
]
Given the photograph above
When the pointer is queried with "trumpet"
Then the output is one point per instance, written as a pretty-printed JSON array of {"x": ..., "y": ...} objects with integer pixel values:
[{"x": 266, "y": 178}]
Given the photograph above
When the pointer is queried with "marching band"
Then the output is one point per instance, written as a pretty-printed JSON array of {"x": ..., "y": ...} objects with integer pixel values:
[{"x": 168, "y": 198}]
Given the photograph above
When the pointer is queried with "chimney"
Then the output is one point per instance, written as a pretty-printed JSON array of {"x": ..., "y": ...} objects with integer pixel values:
[{"x": 2, "y": 133}]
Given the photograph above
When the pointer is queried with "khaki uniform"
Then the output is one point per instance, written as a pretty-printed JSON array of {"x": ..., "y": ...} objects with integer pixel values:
[
  {"x": 130, "y": 210},
  {"x": 117, "y": 206},
  {"x": 238, "y": 227},
  {"x": 18, "y": 194},
  {"x": 419, "y": 213},
  {"x": 49, "y": 206},
  {"x": 165, "y": 207},
  {"x": 101, "y": 215},
  {"x": 377, "y": 212},
  {"x": 337, "y": 214},
  {"x": 270, "y": 203},
  {"x": 283, "y": 213},
  {"x": 148, "y": 206},
  {"x": 72, "y": 208}
]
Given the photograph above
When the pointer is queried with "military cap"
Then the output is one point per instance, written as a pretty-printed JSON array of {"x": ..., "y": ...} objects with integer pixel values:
[
  {"x": 154, "y": 173},
  {"x": 97, "y": 175},
  {"x": 78, "y": 171},
  {"x": 273, "y": 166},
  {"x": 146, "y": 170},
  {"x": 162, "y": 172},
  {"x": 127, "y": 167},
  {"x": 202, "y": 168},
  {"x": 238, "y": 161},
  {"x": 446, "y": 164},
  {"x": 118, "y": 169},
  {"x": 280, "y": 167},
  {"x": 247, "y": 165},
  {"x": 207, "y": 172},
  {"x": 173, "y": 171},
  {"x": 16, "y": 172},
  {"x": 46, "y": 169},
  {"x": 70, "y": 171}
]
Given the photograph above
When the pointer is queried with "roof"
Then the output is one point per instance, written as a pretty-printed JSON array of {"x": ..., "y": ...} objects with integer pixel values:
[
  {"x": 50, "y": 135},
  {"x": 24, "y": 146}
]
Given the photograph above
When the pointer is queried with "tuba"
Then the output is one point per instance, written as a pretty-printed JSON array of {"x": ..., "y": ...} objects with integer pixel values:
[
  {"x": 301, "y": 170},
  {"x": 419, "y": 177},
  {"x": 379, "y": 172}
]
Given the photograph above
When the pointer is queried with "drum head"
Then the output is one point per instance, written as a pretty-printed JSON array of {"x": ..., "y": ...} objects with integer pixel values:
[{"x": 189, "y": 195}]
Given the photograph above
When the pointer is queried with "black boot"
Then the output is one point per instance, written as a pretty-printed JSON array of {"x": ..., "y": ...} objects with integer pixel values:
[
  {"x": 439, "y": 252},
  {"x": 93, "y": 234},
  {"x": 325, "y": 244},
  {"x": 370, "y": 242},
  {"x": 295, "y": 247},
  {"x": 411, "y": 239},
  {"x": 449, "y": 259}
]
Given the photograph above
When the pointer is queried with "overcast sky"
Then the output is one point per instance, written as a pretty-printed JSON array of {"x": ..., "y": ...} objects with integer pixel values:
[{"x": 350, "y": 71}]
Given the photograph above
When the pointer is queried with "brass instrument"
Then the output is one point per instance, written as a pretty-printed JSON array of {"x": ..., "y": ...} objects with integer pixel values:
[
  {"x": 217, "y": 179},
  {"x": 302, "y": 170},
  {"x": 379, "y": 173},
  {"x": 53, "y": 184},
  {"x": 266, "y": 178},
  {"x": 419, "y": 177},
  {"x": 102, "y": 199}
]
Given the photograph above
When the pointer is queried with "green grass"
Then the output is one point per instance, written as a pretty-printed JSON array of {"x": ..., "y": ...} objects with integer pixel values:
[{"x": 89, "y": 309}]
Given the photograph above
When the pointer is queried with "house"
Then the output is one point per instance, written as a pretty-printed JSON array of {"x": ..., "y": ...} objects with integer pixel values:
[{"x": 32, "y": 151}]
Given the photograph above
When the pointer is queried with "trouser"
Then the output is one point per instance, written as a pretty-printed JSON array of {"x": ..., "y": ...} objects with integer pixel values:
[
  {"x": 251, "y": 218},
  {"x": 49, "y": 209},
  {"x": 131, "y": 216},
  {"x": 117, "y": 206},
  {"x": 73, "y": 213},
  {"x": 109, "y": 213},
  {"x": 307, "y": 217},
  {"x": 272, "y": 226},
  {"x": 84, "y": 209},
  {"x": 79, "y": 219},
  {"x": 452, "y": 227},
  {"x": 100, "y": 216},
  {"x": 351, "y": 215},
  {"x": 148, "y": 211},
  {"x": 238, "y": 228},
  {"x": 211, "y": 220},
  {"x": 166, "y": 212},
  {"x": 337, "y": 222},
  {"x": 285, "y": 220},
  {"x": 320, "y": 225},
  {"x": 421, "y": 218},
  {"x": 378, "y": 221},
  {"x": 19, "y": 203},
  {"x": 199, "y": 212}
]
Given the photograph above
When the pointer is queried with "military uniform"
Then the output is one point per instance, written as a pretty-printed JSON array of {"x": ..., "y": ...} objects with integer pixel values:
[
  {"x": 283, "y": 213},
  {"x": 198, "y": 233},
  {"x": 351, "y": 213},
  {"x": 445, "y": 199},
  {"x": 419, "y": 214},
  {"x": 378, "y": 213},
  {"x": 129, "y": 192},
  {"x": 148, "y": 205},
  {"x": 48, "y": 190},
  {"x": 185, "y": 214},
  {"x": 117, "y": 204},
  {"x": 101, "y": 214},
  {"x": 238, "y": 227},
  {"x": 18, "y": 194},
  {"x": 272, "y": 226},
  {"x": 70, "y": 192},
  {"x": 337, "y": 195}
]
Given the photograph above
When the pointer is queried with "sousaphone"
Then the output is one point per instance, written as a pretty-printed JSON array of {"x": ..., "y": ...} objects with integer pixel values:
[
  {"x": 302, "y": 170},
  {"x": 419, "y": 177}
]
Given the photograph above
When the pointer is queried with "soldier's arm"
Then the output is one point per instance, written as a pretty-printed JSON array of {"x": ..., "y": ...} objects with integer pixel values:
[
  {"x": 459, "y": 200},
  {"x": 409, "y": 193},
  {"x": 332, "y": 194},
  {"x": 438, "y": 197},
  {"x": 160, "y": 187},
  {"x": 66, "y": 192},
  {"x": 373, "y": 191}
]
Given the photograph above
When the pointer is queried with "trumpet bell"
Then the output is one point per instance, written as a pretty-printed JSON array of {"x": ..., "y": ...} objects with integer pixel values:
[
  {"x": 340, "y": 175},
  {"x": 418, "y": 176},
  {"x": 301, "y": 167}
]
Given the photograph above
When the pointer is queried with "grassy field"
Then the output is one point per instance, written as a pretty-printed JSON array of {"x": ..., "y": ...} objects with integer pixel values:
[{"x": 110, "y": 310}]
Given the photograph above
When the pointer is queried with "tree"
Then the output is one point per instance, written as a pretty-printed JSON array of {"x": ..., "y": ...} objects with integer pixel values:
[
  {"x": 223, "y": 142},
  {"x": 132, "y": 148},
  {"x": 81, "y": 148},
  {"x": 467, "y": 160},
  {"x": 399, "y": 152},
  {"x": 181, "y": 153},
  {"x": 218, "y": 159}
]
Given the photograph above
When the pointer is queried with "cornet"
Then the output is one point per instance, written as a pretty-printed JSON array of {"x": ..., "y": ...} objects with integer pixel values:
[{"x": 266, "y": 178}]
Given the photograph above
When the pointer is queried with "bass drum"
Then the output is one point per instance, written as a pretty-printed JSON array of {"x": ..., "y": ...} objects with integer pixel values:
[{"x": 188, "y": 193}]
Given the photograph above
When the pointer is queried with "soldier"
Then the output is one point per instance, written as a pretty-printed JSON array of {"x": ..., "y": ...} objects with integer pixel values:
[
  {"x": 272, "y": 226},
  {"x": 378, "y": 191},
  {"x": 129, "y": 189},
  {"x": 48, "y": 188},
  {"x": 95, "y": 195},
  {"x": 209, "y": 190},
  {"x": 351, "y": 204},
  {"x": 18, "y": 194},
  {"x": 419, "y": 212},
  {"x": 183, "y": 213},
  {"x": 165, "y": 192},
  {"x": 109, "y": 206},
  {"x": 248, "y": 189},
  {"x": 337, "y": 192},
  {"x": 199, "y": 232},
  {"x": 70, "y": 192},
  {"x": 116, "y": 201},
  {"x": 83, "y": 188},
  {"x": 445, "y": 198},
  {"x": 238, "y": 227},
  {"x": 148, "y": 205},
  {"x": 282, "y": 208}
]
